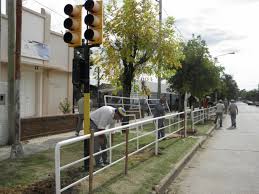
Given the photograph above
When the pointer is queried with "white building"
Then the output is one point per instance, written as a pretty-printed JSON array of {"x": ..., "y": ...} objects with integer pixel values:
[{"x": 46, "y": 64}]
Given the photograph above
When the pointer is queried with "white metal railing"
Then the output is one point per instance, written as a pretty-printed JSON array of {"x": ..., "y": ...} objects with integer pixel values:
[
  {"x": 133, "y": 104},
  {"x": 177, "y": 121}
]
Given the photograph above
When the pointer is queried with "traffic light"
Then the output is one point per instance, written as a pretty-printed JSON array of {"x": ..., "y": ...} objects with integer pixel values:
[
  {"x": 73, "y": 24},
  {"x": 94, "y": 21}
]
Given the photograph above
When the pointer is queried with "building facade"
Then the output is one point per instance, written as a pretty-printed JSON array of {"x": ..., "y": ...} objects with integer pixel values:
[{"x": 46, "y": 65}]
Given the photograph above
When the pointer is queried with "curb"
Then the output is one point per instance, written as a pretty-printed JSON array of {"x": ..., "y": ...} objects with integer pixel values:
[{"x": 168, "y": 179}]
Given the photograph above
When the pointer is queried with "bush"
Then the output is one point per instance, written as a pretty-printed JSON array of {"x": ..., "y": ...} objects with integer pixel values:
[{"x": 65, "y": 106}]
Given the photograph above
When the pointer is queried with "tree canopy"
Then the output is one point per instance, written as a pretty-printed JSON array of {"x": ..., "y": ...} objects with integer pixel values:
[
  {"x": 131, "y": 36},
  {"x": 228, "y": 87},
  {"x": 199, "y": 75}
]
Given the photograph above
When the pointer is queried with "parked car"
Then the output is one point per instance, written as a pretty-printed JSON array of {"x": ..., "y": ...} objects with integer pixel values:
[
  {"x": 249, "y": 102},
  {"x": 256, "y": 103}
]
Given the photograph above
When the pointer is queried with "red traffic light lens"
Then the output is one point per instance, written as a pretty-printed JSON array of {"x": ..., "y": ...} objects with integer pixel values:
[
  {"x": 89, "y": 5},
  {"x": 68, "y": 9}
]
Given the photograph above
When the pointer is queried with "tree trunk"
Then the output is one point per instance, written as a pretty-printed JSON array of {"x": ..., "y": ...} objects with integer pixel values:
[
  {"x": 127, "y": 79},
  {"x": 126, "y": 85}
]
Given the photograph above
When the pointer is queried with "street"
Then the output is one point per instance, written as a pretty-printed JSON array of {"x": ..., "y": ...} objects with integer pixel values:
[{"x": 228, "y": 162}]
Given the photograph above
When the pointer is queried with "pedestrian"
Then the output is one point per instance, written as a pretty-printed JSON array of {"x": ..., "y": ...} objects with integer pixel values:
[
  {"x": 80, "y": 118},
  {"x": 233, "y": 111},
  {"x": 219, "y": 112},
  {"x": 100, "y": 119},
  {"x": 226, "y": 105},
  {"x": 158, "y": 112}
]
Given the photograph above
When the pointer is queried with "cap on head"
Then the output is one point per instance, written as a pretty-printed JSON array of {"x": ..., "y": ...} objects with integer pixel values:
[
  {"x": 220, "y": 100},
  {"x": 121, "y": 111}
]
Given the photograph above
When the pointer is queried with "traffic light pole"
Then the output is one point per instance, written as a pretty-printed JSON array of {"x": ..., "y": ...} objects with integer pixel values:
[
  {"x": 85, "y": 73},
  {"x": 86, "y": 83}
]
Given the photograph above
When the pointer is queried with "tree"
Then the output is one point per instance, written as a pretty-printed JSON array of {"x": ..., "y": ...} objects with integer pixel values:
[
  {"x": 199, "y": 75},
  {"x": 229, "y": 88},
  {"x": 131, "y": 39}
]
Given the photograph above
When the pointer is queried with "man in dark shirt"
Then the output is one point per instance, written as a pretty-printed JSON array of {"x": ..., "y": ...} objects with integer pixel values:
[{"x": 160, "y": 111}]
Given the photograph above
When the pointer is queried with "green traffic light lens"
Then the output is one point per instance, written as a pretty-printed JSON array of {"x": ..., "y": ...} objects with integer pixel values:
[
  {"x": 67, "y": 37},
  {"x": 89, "y": 34}
]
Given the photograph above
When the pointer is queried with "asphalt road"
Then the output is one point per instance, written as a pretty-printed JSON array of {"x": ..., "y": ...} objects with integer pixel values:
[{"x": 228, "y": 163}]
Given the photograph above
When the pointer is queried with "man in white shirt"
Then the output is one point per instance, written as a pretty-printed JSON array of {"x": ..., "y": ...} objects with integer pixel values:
[
  {"x": 219, "y": 112},
  {"x": 102, "y": 118}
]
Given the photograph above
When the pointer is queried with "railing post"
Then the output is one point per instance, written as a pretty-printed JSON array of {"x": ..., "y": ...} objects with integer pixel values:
[
  {"x": 57, "y": 168},
  {"x": 137, "y": 135},
  {"x": 179, "y": 123},
  {"x": 156, "y": 144},
  {"x": 126, "y": 151},
  {"x": 110, "y": 143},
  {"x": 203, "y": 116},
  {"x": 170, "y": 127},
  {"x": 192, "y": 120},
  {"x": 91, "y": 161},
  {"x": 185, "y": 123}
]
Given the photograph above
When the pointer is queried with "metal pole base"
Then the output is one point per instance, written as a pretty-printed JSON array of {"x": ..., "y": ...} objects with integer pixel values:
[{"x": 16, "y": 151}]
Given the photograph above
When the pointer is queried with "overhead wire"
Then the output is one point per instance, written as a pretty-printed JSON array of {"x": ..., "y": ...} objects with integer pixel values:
[{"x": 177, "y": 29}]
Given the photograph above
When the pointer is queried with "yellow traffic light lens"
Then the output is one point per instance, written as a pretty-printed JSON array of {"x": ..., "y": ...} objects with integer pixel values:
[
  {"x": 89, "y": 19},
  {"x": 68, "y": 23}
]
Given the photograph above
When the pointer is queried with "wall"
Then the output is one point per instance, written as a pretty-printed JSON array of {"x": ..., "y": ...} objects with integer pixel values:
[
  {"x": 33, "y": 127},
  {"x": 56, "y": 91}
]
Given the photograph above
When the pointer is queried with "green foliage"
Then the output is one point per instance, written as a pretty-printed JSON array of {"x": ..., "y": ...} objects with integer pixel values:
[
  {"x": 228, "y": 87},
  {"x": 65, "y": 106},
  {"x": 252, "y": 95},
  {"x": 132, "y": 43},
  {"x": 199, "y": 75}
]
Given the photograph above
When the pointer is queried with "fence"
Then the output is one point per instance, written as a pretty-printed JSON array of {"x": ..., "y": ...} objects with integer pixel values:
[
  {"x": 178, "y": 125},
  {"x": 132, "y": 105},
  {"x": 151, "y": 103}
]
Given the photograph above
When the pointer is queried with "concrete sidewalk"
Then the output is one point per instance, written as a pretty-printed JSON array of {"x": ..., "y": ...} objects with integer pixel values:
[
  {"x": 228, "y": 162},
  {"x": 36, "y": 145}
]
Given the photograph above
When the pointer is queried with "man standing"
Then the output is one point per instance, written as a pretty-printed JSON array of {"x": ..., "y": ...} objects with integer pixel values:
[
  {"x": 160, "y": 111},
  {"x": 233, "y": 111},
  {"x": 80, "y": 118},
  {"x": 219, "y": 112},
  {"x": 100, "y": 119}
]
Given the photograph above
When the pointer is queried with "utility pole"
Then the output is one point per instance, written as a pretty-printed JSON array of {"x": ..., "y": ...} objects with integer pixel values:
[
  {"x": 14, "y": 55},
  {"x": 11, "y": 56},
  {"x": 0, "y": 37},
  {"x": 98, "y": 86},
  {"x": 159, "y": 53}
]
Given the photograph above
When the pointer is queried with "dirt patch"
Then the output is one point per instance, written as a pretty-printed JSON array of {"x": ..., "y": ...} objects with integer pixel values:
[{"x": 46, "y": 186}]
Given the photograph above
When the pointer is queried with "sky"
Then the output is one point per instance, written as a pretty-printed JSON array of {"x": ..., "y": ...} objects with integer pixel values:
[{"x": 225, "y": 25}]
